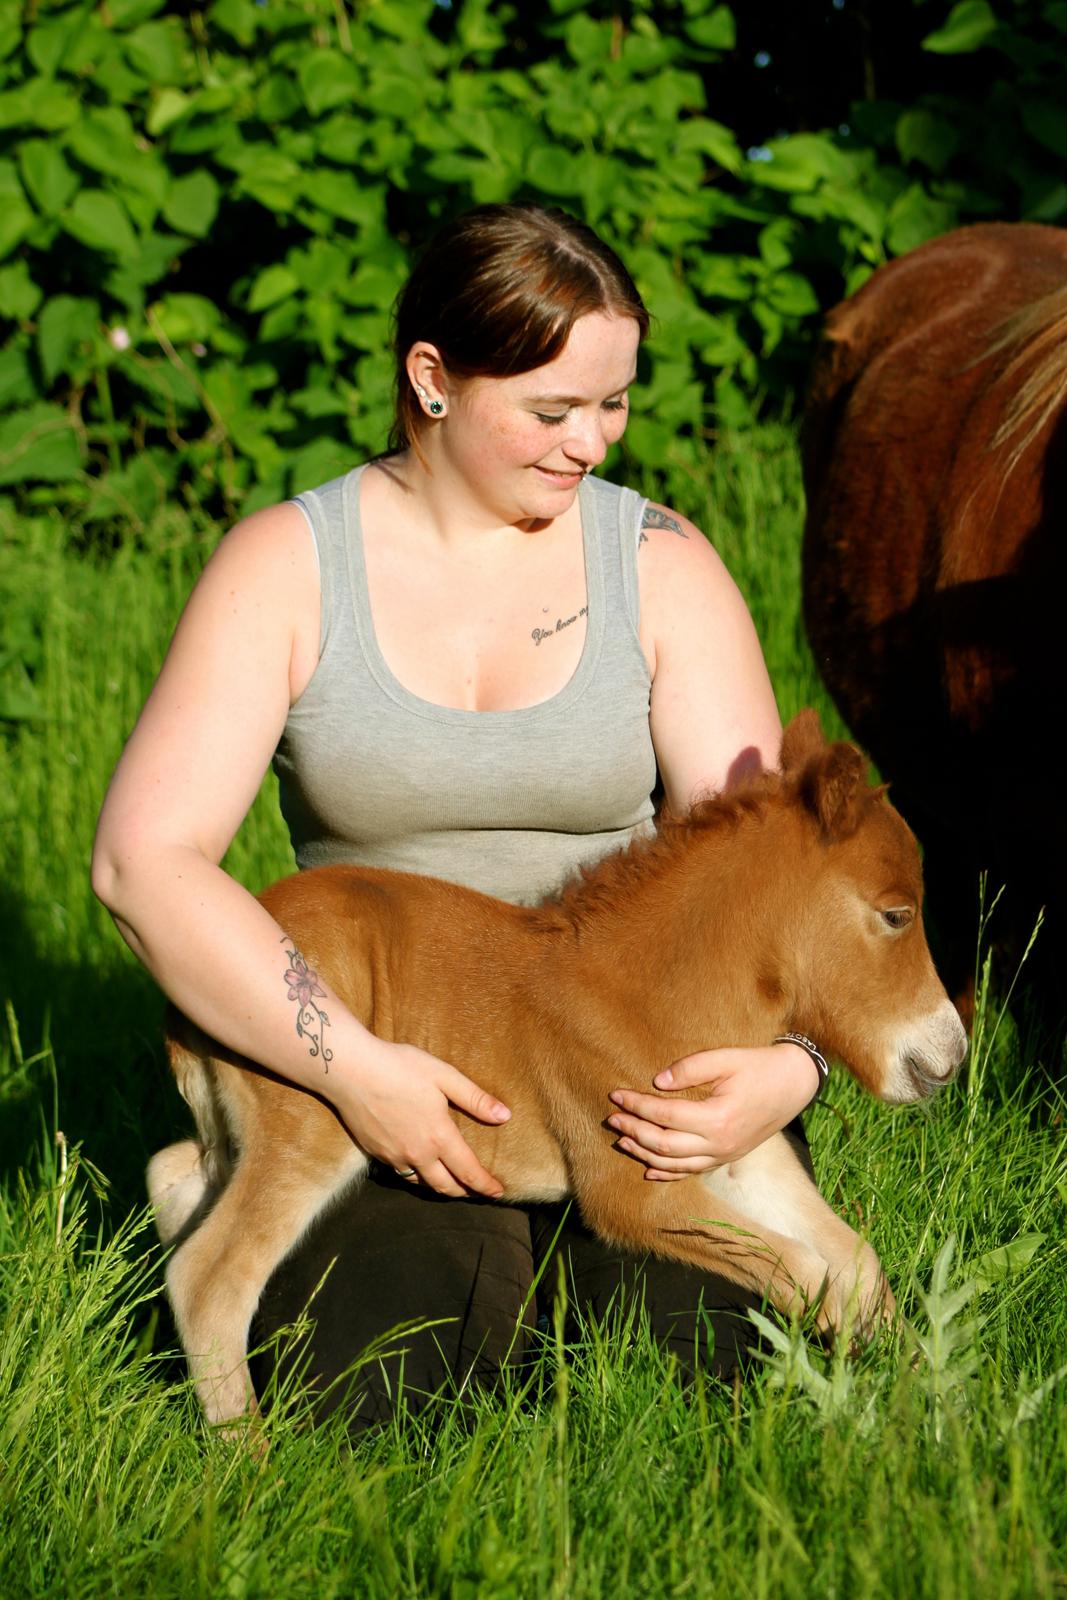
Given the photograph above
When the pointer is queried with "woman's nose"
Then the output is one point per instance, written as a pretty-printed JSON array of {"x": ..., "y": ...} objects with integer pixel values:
[{"x": 586, "y": 443}]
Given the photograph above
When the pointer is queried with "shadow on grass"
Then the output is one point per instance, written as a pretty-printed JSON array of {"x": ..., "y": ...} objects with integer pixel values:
[{"x": 81, "y": 1050}]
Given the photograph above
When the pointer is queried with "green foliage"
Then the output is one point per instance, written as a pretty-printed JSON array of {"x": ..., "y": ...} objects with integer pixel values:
[{"x": 205, "y": 214}]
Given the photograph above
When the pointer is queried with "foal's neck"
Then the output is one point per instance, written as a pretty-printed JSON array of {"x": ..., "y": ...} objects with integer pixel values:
[{"x": 694, "y": 935}]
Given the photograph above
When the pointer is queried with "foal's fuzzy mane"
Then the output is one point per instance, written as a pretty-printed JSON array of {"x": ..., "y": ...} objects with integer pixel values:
[{"x": 608, "y": 883}]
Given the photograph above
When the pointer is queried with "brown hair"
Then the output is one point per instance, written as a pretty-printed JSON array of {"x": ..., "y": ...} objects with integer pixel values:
[{"x": 498, "y": 291}]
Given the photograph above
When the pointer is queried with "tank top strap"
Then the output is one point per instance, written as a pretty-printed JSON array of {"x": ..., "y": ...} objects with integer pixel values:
[
  {"x": 325, "y": 510},
  {"x": 618, "y": 514}
]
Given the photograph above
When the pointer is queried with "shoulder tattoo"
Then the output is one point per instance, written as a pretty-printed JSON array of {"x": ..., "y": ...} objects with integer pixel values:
[{"x": 655, "y": 518}]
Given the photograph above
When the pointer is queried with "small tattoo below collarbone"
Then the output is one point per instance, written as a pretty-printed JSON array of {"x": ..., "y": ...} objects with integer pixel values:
[
  {"x": 655, "y": 518},
  {"x": 561, "y": 622},
  {"x": 311, "y": 1021}
]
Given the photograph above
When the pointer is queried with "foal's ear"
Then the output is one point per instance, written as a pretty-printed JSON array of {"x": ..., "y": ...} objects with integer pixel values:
[
  {"x": 835, "y": 789},
  {"x": 802, "y": 739}
]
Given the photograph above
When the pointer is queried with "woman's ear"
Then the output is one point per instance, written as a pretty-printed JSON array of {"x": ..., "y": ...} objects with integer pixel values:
[{"x": 426, "y": 373}]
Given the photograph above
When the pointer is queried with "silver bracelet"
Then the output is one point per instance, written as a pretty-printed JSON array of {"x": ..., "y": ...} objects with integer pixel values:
[{"x": 816, "y": 1055}]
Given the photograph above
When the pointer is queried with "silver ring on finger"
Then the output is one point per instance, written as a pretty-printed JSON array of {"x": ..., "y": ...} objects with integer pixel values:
[{"x": 405, "y": 1172}]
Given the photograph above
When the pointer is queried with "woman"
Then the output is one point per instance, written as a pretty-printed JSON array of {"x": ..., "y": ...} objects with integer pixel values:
[{"x": 467, "y": 658}]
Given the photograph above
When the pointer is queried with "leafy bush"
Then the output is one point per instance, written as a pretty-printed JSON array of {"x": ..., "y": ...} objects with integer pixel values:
[{"x": 205, "y": 215}]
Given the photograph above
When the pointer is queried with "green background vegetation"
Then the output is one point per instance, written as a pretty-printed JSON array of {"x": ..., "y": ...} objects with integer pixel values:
[{"x": 204, "y": 214}]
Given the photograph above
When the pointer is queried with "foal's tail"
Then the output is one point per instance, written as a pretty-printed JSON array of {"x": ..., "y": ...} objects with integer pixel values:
[{"x": 190, "y": 1053}]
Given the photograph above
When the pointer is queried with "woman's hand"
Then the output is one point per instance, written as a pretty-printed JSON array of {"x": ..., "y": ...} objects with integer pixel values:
[
  {"x": 753, "y": 1093},
  {"x": 395, "y": 1105}
]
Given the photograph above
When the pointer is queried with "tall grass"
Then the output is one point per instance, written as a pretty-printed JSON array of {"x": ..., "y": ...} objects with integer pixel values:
[{"x": 931, "y": 1465}]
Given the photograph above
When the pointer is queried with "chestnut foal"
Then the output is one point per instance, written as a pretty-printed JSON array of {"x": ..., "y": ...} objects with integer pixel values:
[{"x": 793, "y": 903}]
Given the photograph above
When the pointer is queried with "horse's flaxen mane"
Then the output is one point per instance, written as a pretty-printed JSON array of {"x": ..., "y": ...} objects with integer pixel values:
[
  {"x": 1034, "y": 338},
  {"x": 608, "y": 883}
]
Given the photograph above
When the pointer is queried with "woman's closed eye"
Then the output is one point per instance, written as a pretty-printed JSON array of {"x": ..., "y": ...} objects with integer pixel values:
[{"x": 550, "y": 422}]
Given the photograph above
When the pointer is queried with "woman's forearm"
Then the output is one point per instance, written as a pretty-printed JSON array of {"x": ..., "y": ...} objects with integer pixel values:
[{"x": 226, "y": 963}]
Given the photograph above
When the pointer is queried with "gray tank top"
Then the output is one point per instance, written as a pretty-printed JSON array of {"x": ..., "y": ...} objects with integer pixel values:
[{"x": 509, "y": 802}]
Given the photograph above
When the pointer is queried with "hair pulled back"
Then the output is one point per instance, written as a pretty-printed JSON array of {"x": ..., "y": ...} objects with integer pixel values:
[{"x": 498, "y": 291}]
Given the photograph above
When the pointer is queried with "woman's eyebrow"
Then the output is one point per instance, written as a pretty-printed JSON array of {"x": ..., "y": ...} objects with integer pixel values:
[{"x": 572, "y": 399}]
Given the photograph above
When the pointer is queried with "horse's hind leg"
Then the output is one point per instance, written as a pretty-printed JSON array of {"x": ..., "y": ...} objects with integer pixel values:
[
  {"x": 216, "y": 1276},
  {"x": 683, "y": 1221}
]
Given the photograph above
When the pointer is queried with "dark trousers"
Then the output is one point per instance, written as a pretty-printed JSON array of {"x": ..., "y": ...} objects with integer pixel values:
[{"x": 390, "y": 1254}]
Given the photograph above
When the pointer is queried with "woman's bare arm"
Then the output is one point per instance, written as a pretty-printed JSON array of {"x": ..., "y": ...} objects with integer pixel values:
[{"x": 186, "y": 779}]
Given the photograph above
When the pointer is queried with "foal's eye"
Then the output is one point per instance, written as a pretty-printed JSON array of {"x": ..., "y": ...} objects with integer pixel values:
[{"x": 898, "y": 916}]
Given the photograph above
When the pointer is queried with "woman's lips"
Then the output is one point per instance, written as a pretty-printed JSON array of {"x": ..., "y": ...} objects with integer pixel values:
[{"x": 561, "y": 480}]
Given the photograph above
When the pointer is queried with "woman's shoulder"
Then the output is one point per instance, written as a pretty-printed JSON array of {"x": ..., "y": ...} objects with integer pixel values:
[{"x": 674, "y": 552}]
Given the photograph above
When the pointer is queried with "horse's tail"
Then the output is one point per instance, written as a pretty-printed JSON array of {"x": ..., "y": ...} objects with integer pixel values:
[{"x": 190, "y": 1053}]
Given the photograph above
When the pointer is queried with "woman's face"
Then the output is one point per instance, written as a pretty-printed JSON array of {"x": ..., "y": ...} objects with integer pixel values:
[{"x": 524, "y": 443}]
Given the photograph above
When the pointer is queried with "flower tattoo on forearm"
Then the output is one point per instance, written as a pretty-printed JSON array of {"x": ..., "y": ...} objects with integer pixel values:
[{"x": 311, "y": 1020}]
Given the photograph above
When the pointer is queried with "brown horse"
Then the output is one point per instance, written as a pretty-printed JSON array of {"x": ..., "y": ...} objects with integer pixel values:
[
  {"x": 793, "y": 904},
  {"x": 935, "y": 557}
]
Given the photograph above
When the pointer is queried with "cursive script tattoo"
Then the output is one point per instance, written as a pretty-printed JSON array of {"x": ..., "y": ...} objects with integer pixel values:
[
  {"x": 561, "y": 622},
  {"x": 311, "y": 1020},
  {"x": 655, "y": 518}
]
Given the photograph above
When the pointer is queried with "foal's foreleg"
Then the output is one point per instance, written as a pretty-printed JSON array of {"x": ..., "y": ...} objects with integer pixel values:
[{"x": 215, "y": 1278}]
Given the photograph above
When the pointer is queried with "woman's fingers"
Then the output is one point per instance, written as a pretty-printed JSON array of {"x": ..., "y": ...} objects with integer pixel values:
[
  {"x": 688, "y": 1116},
  {"x": 650, "y": 1142},
  {"x": 468, "y": 1097}
]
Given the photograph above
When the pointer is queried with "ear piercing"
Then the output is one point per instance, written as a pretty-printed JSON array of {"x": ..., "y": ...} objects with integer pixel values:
[{"x": 434, "y": 407}]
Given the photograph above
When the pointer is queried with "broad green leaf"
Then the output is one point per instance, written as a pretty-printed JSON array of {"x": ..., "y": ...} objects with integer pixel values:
[
  {"x": 800, "y": 162},
  {"x": 39, "y": 445},
  {"x": 997, "y": 1265},
  {"x": 158, "y": 50},
  {"x": 238, "y": 18},
  {"x": 791, "y": 295},
  {"x": 193, "y": 203},
  {"x": 10, "y": 36},
  {"x": 555, "y": 171},
  {"x": 65, "y": 323},
  {"x": 277, "y": 99},
  {"x": 17, "y": 383},
  {"x": 42, "y": 103},
  {"x": 49, "y": 42},
  {"x": 105, "y": 141},
  {"x": 342, "y": 195},
  {"x": 168, "y": 107},
  {"x": 16, "y": 217},
  {"x": 269, "y": 177},
  {"x": 915, "y": 217},
  {"x": 49, "y": 179},
  {"x": 372, "y": 285},
  {"x": 271, "y": 285},
  {"x": 715, "y": 31},
  {"x": 729, "y": 277},
  {"x": 923, "y": 136},
  {"x": 967, "y": 27},
  {"x": 186, "y": 318},
  {"x": 19, "y": 295},
  {"x": 128, "y": 13},
  {"x": 327, "y": 80},
  {"x": 98, "y": 220},
  {"x": 322, "y": 267},
  {"x": 712, "y": 139}
]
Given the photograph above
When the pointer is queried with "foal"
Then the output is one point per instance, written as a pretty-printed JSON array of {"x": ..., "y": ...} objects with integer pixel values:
[{"x": 792, "y": 904}]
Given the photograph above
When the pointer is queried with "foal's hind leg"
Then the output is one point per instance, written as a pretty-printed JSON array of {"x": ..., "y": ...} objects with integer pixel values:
[
  {"x": 684, "y": 1222},
  {"x": 177, "y": 1187},
  {"x": 216, "y": 1276}
]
